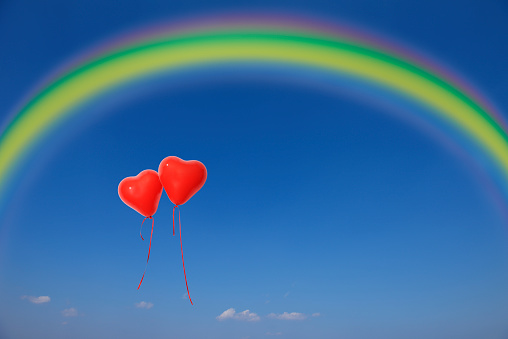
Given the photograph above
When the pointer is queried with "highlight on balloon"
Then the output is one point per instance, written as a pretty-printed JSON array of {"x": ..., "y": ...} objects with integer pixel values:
[{"x": 180, "y": 179}]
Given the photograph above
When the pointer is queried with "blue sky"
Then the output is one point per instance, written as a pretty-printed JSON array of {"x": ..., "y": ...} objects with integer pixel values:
[{"x": 324, "y": 215}]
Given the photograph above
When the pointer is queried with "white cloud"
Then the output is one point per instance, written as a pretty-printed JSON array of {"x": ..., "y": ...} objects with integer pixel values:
[
  {"x": 245, "y": 315},
  {"x": 144, "y": 304},
  {"x": 37, "y": 300},
  {"x": 70, "y": 312},
  {"x": 288, "y": 316},
  {"x": 273, "y": 333},
  {"x": 317, "y": 314},
  {"x": 227, "y": 314}
]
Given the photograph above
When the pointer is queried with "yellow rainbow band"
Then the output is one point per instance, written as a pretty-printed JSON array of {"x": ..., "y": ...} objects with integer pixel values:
[{"x": 222, "y": 47}]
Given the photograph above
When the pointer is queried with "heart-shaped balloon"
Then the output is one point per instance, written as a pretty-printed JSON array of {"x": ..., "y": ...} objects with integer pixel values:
[
  {"x": 142, "y": 192},
  {"x": 181, "y": 179}
]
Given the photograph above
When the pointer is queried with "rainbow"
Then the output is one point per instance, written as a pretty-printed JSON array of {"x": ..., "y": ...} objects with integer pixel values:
[{"x": 275, "y": 42}]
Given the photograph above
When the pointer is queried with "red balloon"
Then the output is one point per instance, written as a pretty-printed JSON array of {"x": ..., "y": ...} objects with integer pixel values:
[
  {"x": 181, "y": 179},
  {"x": 142, "y": 192}
]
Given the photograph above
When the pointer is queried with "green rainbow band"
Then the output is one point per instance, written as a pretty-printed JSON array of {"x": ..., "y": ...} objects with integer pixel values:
[{"x": 237, "y": 44}]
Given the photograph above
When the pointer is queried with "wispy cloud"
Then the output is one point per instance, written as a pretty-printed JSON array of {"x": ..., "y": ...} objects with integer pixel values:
[
  {"x": 286, "y": 294},
  {"x": 245, "y": 315},
  {"x": 288, "y": 316},
  {"x": 317, "y": 314},
  {"x": 144, "y": 304},
  {"x": 273, "y": 333},
  {"x": 70, "y": 312},
  {"x": 37, "y": 300}
]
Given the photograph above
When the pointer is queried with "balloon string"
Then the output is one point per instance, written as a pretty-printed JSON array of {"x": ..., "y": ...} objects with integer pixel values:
[
  {"x": 174, "y": 219},
  {"x": 183, "y": 263},
  {"x": 149, "y": 248},
  {"x": 142, "y": 228}
]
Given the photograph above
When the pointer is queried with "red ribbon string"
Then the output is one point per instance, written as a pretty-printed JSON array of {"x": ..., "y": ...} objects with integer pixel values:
[
  {"x": 181, "y": 247},
  {"x": 174, "y": 219},
  {"x": 149, "y": 248},
  {"x": 142, "y": 228}
]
